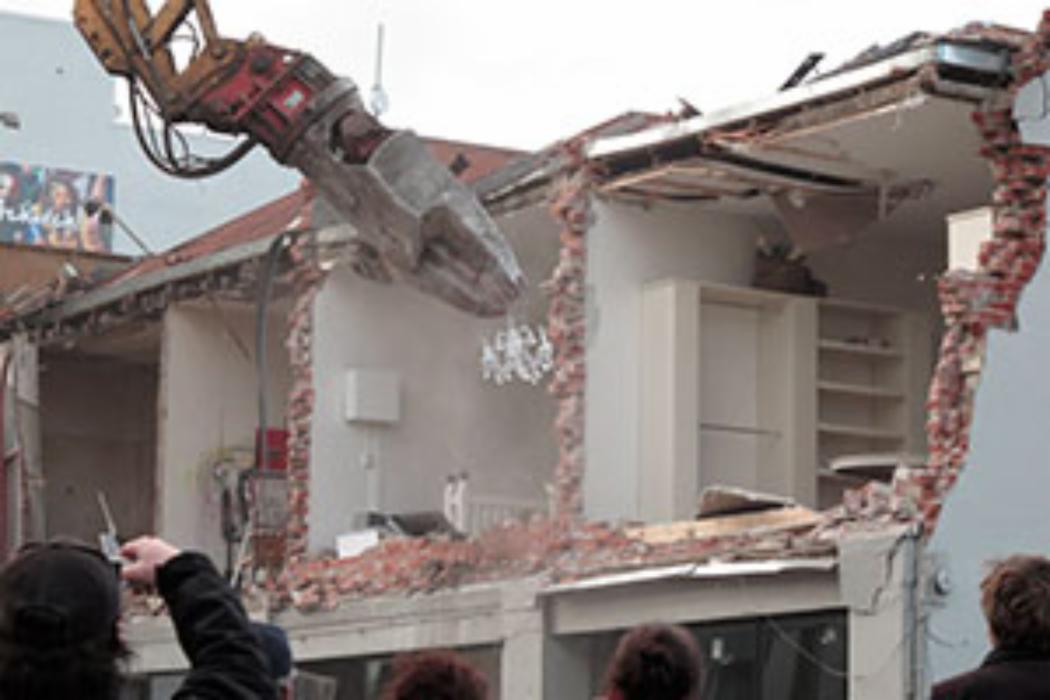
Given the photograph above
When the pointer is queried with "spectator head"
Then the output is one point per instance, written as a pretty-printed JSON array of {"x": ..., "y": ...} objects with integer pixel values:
[
  {"x": 655, "y": 662},
  {"x": 278, "y": 652},
  {"x": 1015, "y": 598},
  {"x": 438, "y": 675},
  {"x": 59, "y": 607}
]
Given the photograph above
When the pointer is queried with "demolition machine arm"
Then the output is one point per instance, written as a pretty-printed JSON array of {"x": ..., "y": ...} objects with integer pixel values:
[{"x": 412, "y": 219}]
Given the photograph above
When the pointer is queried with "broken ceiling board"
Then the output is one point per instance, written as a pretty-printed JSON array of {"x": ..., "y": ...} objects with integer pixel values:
[
  {"x": 792, "y": 151},
  {"x": 650, "y": 194},
  {"x": 890, "y": 98},
  {"x": 729, "y": 500},
  {"x": 879, "y": 466},
  {"x": 681, "y": 180},
  {"x": 791, "y": 518},
  {"x": 684, "y": 176},
  {"x": 911, "y": 139},
  {"x": 773, "y": 175},
  {"x": 714, "y": 175},
  {"x": 658, "y": 188}
]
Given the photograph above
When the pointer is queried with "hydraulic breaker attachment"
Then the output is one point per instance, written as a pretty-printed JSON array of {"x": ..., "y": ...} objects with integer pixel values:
[{"x": 411, "y": 215}]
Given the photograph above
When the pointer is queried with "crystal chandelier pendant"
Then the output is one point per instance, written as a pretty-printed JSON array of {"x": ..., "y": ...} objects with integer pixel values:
[{"x": 517, "y": 352}]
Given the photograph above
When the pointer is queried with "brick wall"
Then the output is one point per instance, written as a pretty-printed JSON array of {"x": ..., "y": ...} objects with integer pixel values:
[{"x": 973, "y": 303}]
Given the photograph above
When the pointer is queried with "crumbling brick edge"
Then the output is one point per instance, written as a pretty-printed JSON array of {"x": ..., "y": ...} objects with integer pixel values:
[
  {"x": 307, "y": 278},
  {"x": 570, "y": 205},
  {"x": 974, "y": 302},
  {"x": 307, "y": 282}
]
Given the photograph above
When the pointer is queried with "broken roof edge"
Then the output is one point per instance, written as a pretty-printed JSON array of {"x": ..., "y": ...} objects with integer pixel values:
[
  {"x": 233, "y": 243},
  {"x": 71, "y": 253},
  {"x": 158, "y": 278},
  {"x": 890, "y": 533},
  {"x": 525, "y": 181},
  {"x": 515, "y": 186},
  {"x": 105, "y": 296},
  {"x": 713, "y": 569},
  {"x": 946, "y": 52}
]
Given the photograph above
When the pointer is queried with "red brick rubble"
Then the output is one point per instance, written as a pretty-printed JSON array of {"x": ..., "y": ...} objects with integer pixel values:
[
  {"x": 546, "y": 548},
  {"x": 307, "y": 279}
]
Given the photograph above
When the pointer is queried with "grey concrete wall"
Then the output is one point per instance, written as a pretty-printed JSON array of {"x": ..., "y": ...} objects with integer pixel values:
[
  {"x": 627, "y": 247},
  {"x": 98, "y": 419},
  {"x": 999, "y": 504},
  {"x": 207, "y": 405},
  {"x": 499, "y": 627},
  {"x": 66, "y": 105},
  {"x": 451, "y": 420}
]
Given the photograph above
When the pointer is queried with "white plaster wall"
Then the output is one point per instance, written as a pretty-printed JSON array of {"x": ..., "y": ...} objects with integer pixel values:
[
  {"x": 450, "y": 419},
  {"x": 208, "y": 403},
  {"x": 627, "y": 247},
  {"x": 66, "y": 105},
  {"x": 1006, "y": 480}
]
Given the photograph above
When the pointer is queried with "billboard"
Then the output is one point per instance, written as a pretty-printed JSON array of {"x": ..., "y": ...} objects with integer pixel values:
[{"x": 46, "y": 207}]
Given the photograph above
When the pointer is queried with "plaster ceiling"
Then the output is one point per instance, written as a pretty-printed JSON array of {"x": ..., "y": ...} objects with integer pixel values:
[{"x": 925, "y": 146}]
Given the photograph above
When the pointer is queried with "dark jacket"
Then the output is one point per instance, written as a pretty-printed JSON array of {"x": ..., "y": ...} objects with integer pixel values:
[
  {"x": 226, "y": 660},
  {"x": 1004, "y": 674}
]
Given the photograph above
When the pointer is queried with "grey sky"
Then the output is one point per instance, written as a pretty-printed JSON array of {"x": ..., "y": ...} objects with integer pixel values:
[{"x": 528, "y": 73}]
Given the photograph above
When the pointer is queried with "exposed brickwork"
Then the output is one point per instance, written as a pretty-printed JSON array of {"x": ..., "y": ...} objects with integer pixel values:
[
  {"x": 972, "y": 303},
  {"x": 567, "y": 327},
  {"x": 299, "y": 411}
]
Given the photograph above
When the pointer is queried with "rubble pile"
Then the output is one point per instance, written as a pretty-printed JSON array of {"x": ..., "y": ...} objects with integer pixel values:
[
  {"x": 557, "y": 553},
  {"x": 406, "y": 566},
  {"x": 974, "y": 302}
]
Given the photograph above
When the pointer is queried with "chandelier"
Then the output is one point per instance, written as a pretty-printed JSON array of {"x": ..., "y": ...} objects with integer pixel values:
[{"x": 517, "y": 352}]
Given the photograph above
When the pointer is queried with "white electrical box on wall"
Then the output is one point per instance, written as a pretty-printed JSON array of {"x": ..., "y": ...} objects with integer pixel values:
[{"x": 373, "y": 396}]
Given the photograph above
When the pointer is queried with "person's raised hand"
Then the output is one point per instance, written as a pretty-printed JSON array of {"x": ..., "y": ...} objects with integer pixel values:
[{"x": 144, "y": 555}]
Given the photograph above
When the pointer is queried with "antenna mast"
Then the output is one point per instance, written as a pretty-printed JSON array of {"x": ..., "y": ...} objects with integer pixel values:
[{"x": 380, "y": 101}]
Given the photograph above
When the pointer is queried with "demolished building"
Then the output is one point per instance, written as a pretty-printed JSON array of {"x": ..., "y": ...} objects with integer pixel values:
[{"x": 695, "y": 353}]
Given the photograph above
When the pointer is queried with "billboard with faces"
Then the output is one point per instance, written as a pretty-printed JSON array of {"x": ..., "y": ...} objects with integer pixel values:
[{"x": 44, "y": 206}]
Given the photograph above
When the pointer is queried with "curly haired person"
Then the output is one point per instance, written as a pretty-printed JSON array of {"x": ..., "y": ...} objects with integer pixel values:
[
  {"x": 655, "y": 662},
  {"x": 435, "y": 675},
  {"x": 1015, "y": 600}
]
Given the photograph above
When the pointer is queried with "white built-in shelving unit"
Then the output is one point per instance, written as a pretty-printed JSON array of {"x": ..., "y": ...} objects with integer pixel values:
[
  {"x": 872, "y": 364},
  {"x": 765, "y": 391}
]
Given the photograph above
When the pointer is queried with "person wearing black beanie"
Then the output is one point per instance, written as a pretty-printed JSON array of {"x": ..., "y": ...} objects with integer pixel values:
[{"x": 59, "y": 623}]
